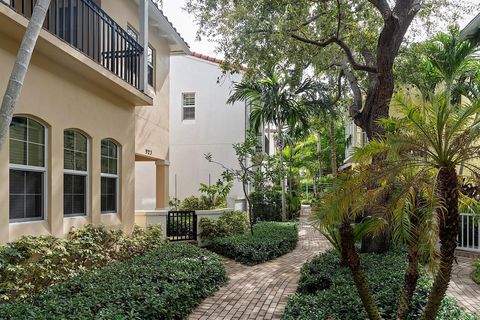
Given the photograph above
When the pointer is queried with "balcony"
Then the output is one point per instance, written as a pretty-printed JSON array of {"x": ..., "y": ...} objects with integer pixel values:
[{"x": 85, "y": 26}]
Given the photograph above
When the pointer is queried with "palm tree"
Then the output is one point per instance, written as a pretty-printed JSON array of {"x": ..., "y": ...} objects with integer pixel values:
[
  {"x": 437, "y": 137},
  {"x": 275, "y": 100},
  {"x": 20, "y": 68}
]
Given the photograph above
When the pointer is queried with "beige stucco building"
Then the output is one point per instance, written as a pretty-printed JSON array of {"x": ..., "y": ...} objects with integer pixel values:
[{"x": 94, "y": 102}]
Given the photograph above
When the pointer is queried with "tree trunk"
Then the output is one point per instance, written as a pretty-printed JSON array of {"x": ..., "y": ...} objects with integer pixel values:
[
  {"x": 290, "y": 177},
  {"x": 282, "y": 177},
  {"x": 380, "y": 86},
  {"x": 249, "y": 204},
  {"x": 447, "y": 186},
  {"x": 333, "y": 141},
  {"x": 20, "y": 68},
  {"x": 353, "y": 260},
  {"x": 409, "y": 283},
  {"x": 319, "y": 154}
]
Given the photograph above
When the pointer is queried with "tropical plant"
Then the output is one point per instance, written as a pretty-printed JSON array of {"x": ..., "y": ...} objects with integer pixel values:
[
  {"x": 442, "y": 63},
  {"x": 274, "y": 99},
  {"x": 255, "y": 169},
  {"x": 20, "y": 68},
  {"x": 435, "y": 137}
]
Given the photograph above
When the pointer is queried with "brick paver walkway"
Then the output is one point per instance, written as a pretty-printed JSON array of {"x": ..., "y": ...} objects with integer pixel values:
[
  {"x": 462, "y": 287},
  {"x": 261, "y": 291}
]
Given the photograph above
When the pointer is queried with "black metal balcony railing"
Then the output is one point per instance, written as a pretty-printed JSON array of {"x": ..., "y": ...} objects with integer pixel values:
[{"x": 85, "y": 26}]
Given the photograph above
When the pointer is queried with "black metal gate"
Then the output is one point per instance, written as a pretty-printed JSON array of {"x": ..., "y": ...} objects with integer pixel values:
[{"x": 182, "y": 225}]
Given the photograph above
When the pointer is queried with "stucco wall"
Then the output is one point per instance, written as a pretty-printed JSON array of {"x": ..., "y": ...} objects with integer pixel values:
[
  {"x": 215, "y": 128},
  {"x": 152, "y": 129},
  {"x": 63, "y": 99}
]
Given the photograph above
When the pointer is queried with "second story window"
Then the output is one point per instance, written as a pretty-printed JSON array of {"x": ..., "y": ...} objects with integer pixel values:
[
  {"x": 132, "y": 33},
  {"x": 150, "y": 65},
  {"x": 188, "y": 106}
]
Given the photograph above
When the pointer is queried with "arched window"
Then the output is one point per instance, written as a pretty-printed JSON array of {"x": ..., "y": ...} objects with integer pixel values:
[
  {"x": 27, "y": 170},
  {"x": 75, "y": 177},
  {"x": 109, "y": 176}
]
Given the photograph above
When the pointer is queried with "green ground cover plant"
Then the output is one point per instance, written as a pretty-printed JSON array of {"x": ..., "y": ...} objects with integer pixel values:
[
  {"x": 327, "y": 291},
  {"x": 32, "y": 263},
  {"x": 476, "y": 271},
  {"x": 166, "y": 283},
  {"x": 269, "y": 240}
]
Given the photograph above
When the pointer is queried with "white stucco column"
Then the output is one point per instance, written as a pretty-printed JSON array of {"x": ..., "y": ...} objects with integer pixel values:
[
  {"x": 162, "y": 181},
  {"x": 143, "y": 18}
]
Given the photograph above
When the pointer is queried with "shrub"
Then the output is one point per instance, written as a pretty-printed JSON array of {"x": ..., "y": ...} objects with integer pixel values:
[
  {"x": 267, "y": 205},
  {"x": 201, "y": 203},
  {"x": 269, "y": 240},
  {"x": 32, "y": 263},
  {"x": 476, "y": 271},
  {"x": 166, "y": 283},
  {"x": 229, "y": 223},
  {"x": 327, "y": 291}
]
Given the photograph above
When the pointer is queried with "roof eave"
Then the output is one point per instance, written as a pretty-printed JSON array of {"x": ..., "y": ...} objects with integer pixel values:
[
  {"x": 471, "y": 30},
  {"x": 180, "y": 45}
]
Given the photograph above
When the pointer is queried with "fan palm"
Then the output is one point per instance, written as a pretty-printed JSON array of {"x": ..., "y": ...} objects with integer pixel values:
[{"x": 274, "y": 99}]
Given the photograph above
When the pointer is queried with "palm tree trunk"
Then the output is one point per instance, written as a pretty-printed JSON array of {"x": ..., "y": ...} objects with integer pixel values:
[
  {"x": 290, "y": 178},
  {"x": 319, "y": 154},
  {"x": 412, "y": 273},
  {"x": 333, "y": 141},
  {"x": 409, "y": 283},
  {"x": 17, "y": 77},
  {"x": 447, "y": 186},
  {"x": 282, "y": 179},
  {"x": 353, "y": 260}
]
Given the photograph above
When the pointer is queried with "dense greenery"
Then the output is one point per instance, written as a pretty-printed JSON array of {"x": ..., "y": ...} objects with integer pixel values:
[
  {"x": 166, "y": 283},
  {"x": 229, "y": 224},
  {"x": 269, "y": 240},
  {"x": 33, "y": 263},
  {"x": 327, "y": 291},
  {"x": 211, "y": 196},
  {"x": 476, "y": 271},
  {"x": 266, "y": 205}
]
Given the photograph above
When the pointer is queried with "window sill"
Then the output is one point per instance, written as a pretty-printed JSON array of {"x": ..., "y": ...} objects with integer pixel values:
[
  {"x": 188, "y": 121},
  {"x": 27, "y": 221},
  {"x": 84, "y": 216}
]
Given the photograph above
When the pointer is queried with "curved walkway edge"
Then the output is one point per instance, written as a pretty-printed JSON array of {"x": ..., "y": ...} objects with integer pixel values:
[
  {"x": 462, "y": 287},
  {"x": 261, "y": 291}
]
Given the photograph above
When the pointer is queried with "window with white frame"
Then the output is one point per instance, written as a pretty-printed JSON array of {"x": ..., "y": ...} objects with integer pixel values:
[
  {"x": 188, "y": 106},
  {"x": 75, "y": 177},
  {"x": 150, "y": 66},
  {"x": 27, "y": 170},
  {"x": 109, "y": 176},
  {"x": 132, "y": 33}
]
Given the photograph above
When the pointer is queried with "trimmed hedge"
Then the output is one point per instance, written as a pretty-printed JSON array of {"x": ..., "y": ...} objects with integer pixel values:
[
  {"x": 229, "y": 224},
  {"x": 32, "y": 263},
  {"x": 476, "y": 271},
  {"x": 327, "y": 291},
  {"x": 270, "y": 240},
  {"x": 267, "y": 205},
  {"x": 166, "y": 283}
]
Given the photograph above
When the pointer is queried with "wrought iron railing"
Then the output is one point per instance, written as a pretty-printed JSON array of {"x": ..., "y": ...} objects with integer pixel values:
[
  {"x": 469, "y": 232},
  {"x": 85, "y": 26}
]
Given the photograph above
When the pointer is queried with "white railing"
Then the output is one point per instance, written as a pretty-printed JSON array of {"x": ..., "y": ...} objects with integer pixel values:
[{"x": 469, "y": 232}]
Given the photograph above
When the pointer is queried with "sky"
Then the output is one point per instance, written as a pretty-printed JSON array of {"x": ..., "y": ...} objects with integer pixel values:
[{"x": 187, "y": 27}]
